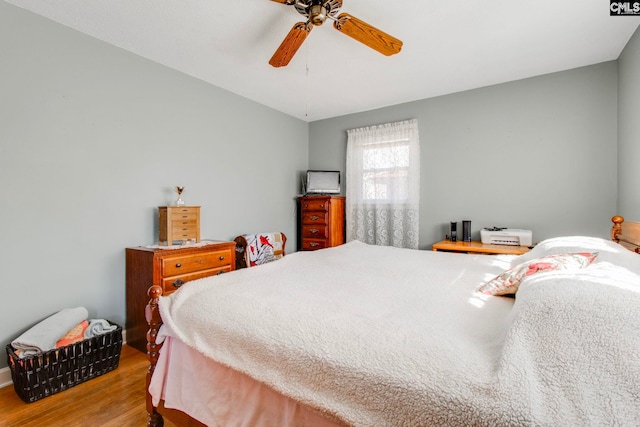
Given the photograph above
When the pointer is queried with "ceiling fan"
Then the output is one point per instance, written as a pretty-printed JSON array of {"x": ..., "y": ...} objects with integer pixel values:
[{"x": 318, "y": 11}]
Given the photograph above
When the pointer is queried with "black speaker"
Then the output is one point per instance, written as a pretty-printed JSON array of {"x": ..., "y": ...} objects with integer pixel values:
[
  {"x": 453, "y": 232},
  {"x": 466, "y": 231}
]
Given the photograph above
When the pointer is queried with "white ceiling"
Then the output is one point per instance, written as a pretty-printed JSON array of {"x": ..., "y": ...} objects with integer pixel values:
[{"x": 448, "y": 46}]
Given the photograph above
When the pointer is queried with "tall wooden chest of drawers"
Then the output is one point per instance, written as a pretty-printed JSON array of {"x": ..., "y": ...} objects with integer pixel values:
[
  {"x": 178, "y": 223},
  {"x": 320, "y": 222},
  {"x": 169, "y": 269}
]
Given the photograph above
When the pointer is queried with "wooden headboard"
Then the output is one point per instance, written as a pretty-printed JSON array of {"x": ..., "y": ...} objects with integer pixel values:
[{"x": 626, "y": 233}]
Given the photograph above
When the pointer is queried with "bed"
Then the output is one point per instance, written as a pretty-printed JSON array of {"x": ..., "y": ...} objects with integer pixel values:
[{"x": 375, "y": 336}]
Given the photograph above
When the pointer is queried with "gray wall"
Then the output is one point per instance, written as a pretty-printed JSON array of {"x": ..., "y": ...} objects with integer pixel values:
[
  {"x": 538, "y": 154},
  {"x": 92, "y": 140},
  {"x": 629, "y": 129}
]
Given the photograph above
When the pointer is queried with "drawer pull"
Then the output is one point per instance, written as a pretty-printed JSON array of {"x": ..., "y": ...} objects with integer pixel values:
[
  {"x": 314, "y": 244},
  {"x": 178, "y": 283},
  {"x": 221, "y": 258},
  {"x": 314, "y": 217},
  {"x": 314, "y": 231},
  {"x": 178, "y": 265}
]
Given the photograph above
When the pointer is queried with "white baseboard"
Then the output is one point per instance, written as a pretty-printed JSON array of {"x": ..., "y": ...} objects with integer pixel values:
[
  {"x": 5, "y": 373},
  {"x": 5, "y": 377}
]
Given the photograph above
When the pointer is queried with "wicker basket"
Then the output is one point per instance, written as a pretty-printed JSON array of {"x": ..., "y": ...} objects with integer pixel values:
[{"x": 42, "y": 375}]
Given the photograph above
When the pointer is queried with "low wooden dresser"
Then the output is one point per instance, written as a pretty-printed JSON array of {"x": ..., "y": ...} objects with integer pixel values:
[
  {"x": 320, "y": 222},
  {"x": 178, "y": 223},
  {"x": 169, "y": 269}
]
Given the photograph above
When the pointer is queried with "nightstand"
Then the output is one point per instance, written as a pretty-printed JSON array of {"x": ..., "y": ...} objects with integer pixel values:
[
  {"x": 479, "y": 248},
  {"x": 170, "y": 269}
]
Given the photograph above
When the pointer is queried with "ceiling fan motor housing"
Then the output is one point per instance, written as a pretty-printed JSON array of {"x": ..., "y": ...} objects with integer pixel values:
[{"x": 317, "y": 11}]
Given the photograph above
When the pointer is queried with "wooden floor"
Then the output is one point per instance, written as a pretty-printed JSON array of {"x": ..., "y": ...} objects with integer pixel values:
[{"x": 115, "y": 399}]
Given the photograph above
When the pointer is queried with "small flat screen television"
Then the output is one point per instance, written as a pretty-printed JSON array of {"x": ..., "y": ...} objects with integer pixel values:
[{"x": 322, "y": 182}]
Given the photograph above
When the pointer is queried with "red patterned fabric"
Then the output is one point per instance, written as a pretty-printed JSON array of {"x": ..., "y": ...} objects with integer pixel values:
[
  {"x": 263, "y": 248},
  {"x": 74, "y": 335}
]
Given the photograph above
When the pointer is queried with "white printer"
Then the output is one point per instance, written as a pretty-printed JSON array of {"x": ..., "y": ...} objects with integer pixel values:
[{"x": 506, "y": 236}]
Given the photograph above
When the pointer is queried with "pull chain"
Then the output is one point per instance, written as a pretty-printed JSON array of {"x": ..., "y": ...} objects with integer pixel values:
[{"x": 306, "y": 89}]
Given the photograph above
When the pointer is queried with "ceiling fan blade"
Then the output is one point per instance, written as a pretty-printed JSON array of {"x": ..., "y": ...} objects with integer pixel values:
[
  {"x": 291, "y": 44},
  {"x": 368, "y": 35}
]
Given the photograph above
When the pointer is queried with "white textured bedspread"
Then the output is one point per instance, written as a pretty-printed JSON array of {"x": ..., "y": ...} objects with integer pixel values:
[{"x": 378, "y": 336}]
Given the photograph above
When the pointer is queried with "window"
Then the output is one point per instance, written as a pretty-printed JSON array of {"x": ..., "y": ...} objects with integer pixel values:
[
  {"x": 383, "y": 184},
  {"x": 385, "y": 171}
]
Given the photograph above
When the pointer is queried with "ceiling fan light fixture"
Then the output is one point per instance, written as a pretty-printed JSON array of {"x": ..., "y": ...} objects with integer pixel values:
[{"x": 317, "y": 14}]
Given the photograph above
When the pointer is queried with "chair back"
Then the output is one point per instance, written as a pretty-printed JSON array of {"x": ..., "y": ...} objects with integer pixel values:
[{"x": 257, "y": 249}]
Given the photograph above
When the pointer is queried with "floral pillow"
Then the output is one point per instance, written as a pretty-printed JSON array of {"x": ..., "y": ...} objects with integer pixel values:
[{"x": 507, "y": 283}]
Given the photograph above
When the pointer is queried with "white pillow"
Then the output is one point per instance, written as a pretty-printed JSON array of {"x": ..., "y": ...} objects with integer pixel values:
[
  {"x": 608, "y": 251},
  {"x": 604, "y": 273}
]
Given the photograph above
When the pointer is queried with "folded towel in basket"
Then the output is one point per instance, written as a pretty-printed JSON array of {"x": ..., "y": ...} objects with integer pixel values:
[
  {"x": 98, "y": 327},
  {"x": 44, "y": 335}
]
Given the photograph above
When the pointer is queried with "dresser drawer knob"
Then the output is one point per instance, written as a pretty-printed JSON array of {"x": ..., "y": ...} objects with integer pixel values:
[
  {"x": 314, "y": 231},
  {"x": 221, "y": 258},
  {"x": 178, "y": 283},
  {"x": 314, "y": 244},
  {"x": 178, "y": 265},
  {"x": 314, "y": 217}
]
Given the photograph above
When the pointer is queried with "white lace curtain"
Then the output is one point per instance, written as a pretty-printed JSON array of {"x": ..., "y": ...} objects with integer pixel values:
[{"x": 383, "y": 184}]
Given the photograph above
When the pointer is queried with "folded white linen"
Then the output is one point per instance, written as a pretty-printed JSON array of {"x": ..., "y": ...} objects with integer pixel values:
[
  {"x": 98, "y": 327},
  {"x": 44, "y": 335},
  {"x": 571, "y": 354}
]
